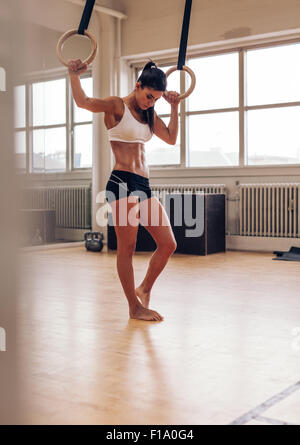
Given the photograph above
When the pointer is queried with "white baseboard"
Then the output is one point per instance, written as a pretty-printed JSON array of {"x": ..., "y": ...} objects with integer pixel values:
[
  {"x": 62, "y": 236},
  {"x": 57, "y": 245},
  {"x": 260, "y": 243},
  {"x": 70, "y": 234}
]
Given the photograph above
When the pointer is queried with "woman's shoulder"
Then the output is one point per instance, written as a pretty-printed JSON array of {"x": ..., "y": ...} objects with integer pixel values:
[
  {"x": 118, "y": 104},
  {"x": 115, "y": 99}
]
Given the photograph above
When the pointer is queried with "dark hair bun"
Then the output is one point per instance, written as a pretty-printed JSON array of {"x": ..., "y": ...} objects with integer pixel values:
[{"x": 149, "y": 65}]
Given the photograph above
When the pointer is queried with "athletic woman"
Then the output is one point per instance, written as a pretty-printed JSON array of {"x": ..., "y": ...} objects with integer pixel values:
[{"x": 131, "y": 121}]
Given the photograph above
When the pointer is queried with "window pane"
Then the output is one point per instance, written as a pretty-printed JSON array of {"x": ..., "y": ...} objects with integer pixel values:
[
  {"x": 49, "y": 102},
  {"x": 173, "y": 84},
  {"x": 273, "y": 136},
  {"x": 83, "y": 146},
  {"x": 273, "y": 75},
  {"x": 217, "y": 82},
  {"x": 20, "y": 149},
  {"x": 19, "y": 106},
  {"x": 213, "y": 140},
  {"x": 81, "y": 115},
  {"x": 49, "y": 149},
  {"x": 159, "y": 152}
]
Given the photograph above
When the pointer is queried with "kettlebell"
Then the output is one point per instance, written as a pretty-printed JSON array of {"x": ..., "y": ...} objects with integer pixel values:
[{"x": 93, "y": 241}]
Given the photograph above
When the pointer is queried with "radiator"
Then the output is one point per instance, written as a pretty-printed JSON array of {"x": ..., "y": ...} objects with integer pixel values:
[
  {"x": 72, "y": 203},
  {"x": 161, "y": 190},
  {"x": 271, "y": 210}
]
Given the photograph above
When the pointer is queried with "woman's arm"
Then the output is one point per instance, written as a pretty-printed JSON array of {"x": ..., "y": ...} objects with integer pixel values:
[
  {"x": 168, "y": 134},
  {"x": 76, "y": 67}
]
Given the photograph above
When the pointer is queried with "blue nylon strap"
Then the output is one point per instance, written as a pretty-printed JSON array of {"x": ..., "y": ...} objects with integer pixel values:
[
  {"x": 184, "y": 34},
  {"x": 85, "y": 19}
]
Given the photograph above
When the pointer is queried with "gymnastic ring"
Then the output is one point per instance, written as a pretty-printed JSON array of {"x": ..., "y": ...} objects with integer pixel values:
[
  {"x": 193, "y": 80},
  {"x": 65, "y": 36}
]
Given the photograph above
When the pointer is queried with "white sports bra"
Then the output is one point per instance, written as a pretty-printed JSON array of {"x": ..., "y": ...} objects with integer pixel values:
[{"x": 129, "y": 129}]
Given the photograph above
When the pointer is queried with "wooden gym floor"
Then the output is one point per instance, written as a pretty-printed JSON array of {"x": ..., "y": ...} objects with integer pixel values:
[{"x": 227, "y": 352}]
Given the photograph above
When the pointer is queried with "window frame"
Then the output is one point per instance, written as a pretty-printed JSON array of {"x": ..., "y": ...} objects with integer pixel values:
[
  {"x": 44, "y": 127},
  {"x": 21, "y": 129},
  {"x": 73, "y": 124},
  {"x": 69, "y": 125},
  {"x": 182, "y": 170}
]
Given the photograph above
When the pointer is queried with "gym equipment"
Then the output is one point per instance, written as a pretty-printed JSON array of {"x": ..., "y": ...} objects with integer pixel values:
[
  {"x": 212, "y": 217},
  {"x": 292, "y": 255},
  {"x": 93, "y": 241},
  {"x": 144, "y": 241},
  {"x": 182, "y": 51},
  {"x": 84, "y": 23},
  {"x": 213, "y": 238}
]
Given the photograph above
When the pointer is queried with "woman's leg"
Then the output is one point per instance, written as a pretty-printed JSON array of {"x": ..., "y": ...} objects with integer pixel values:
[
  {"x": 155, "y": 219},
  {"x": 125, "y": 218}
]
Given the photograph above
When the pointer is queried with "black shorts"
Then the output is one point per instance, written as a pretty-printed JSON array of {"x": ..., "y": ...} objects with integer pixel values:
[{"x": 123, "y": 183}]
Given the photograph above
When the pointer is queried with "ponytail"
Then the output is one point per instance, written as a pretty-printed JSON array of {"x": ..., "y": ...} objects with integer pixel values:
[{"x": 152, "y": 77}]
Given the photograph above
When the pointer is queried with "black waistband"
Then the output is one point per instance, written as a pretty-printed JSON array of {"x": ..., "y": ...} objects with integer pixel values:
[{"x": 124, "y": 174}]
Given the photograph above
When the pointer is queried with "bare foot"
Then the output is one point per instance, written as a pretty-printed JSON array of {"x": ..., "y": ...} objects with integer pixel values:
[
  {"x": 142, "y": 313},
  {"x": 143, "y": 296}
]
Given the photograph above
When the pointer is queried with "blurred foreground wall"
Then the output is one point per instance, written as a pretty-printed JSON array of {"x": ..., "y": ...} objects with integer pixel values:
[{"x": 9, "y": 404}]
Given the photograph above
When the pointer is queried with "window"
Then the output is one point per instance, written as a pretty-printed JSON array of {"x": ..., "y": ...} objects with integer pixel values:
[
  {"x": 244, "y": 111},
  {"x": 273, "y": 83},
  {"x": 212, "y": 131},
  {"x": 51, "y": 135},
  {"x": 213, "y": 139},
  {"x": 49, "y": 126}
]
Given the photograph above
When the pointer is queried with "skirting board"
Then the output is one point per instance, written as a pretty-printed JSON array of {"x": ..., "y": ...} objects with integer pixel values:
[
  {"x": 75, "y": 234},
  {"x": 70, "y": 234},
  {"x": 260, "y": 243},
  {"x": 52, "y": 246}
]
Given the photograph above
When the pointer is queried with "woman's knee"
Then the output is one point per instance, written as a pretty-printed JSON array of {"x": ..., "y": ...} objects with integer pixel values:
[{"x": 168, "y": 247}]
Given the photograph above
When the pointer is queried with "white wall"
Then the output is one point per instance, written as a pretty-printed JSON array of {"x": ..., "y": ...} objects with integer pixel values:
[
  {"x": 40, "y": 53},
  {"x": 42, "y": 22},
  {"x": 9, "y": 261},
  {"x": 156, "y": 25},
  {"x": 40, "y": 43}
]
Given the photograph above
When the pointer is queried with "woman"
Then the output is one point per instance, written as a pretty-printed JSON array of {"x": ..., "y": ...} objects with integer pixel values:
[{"x": 131, "y": 121}]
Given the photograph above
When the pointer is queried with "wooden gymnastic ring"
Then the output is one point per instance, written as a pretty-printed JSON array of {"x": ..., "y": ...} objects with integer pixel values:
[
  {"x": 65, "y": 36},
  {"x": 193, "y": 80}
]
